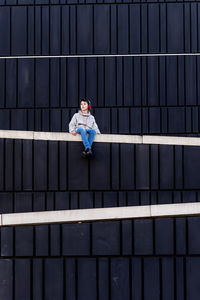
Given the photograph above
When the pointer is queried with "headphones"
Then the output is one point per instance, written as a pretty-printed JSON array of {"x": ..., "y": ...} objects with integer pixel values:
[{"x": 88, "y": 102}]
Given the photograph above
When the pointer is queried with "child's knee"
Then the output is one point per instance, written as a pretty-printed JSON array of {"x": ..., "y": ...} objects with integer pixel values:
[{"x": 80, "y": 130}]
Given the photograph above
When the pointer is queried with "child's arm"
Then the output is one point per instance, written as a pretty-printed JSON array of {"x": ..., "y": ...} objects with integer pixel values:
[
  {"x": 72, "y": 125},
  {"x": 95, "y": 127}
]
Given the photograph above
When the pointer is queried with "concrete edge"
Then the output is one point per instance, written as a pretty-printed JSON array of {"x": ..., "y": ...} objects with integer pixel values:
[
  {"x": 78, "y": 215},
  {"x": 56, "y": 136},
  {"x": 100, "y": 55},
  {"x": 176, "y": 209},
  {"x": 119, "y": 138},
  {"x": 102, "y": 138},
  {"x": 171, "y": 140},
  {"x": 100, "y": 214},
  {"x": 16, "y": 134}
]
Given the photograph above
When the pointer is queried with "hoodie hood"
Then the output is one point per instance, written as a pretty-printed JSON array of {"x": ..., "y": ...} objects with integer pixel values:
[{"x": 85, "y": 115}]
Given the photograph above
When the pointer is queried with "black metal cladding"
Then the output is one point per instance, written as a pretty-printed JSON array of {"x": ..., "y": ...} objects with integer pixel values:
[
  {"x": 114, "y": 82},
  {"x": 72, "y": 2},
  {"x": 100, "y": 29},
  {"x": 158, "y": 237},
  {"x": 27, "y": 201},
  {"x": 149, "y": 95},
  {"x": 131, "y": 260},
  {"x": 154, "y": 120},
  {"x": 57, "y": 166},
  {"x": 155, "y": 258}
]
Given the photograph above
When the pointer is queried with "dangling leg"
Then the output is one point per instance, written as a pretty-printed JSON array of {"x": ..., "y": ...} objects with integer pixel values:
[
  {"x": 91, "y": 136},
  {"x": 84, "y": 137}
]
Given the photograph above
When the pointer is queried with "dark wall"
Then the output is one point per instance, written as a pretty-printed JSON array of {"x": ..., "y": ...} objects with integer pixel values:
[
  {"x": 58, "y": 166},
  {"x": 155, "y": 95},
  {"x": 131, "y": 260},
  {"x": 111, "y": 82},
  {"x": 81, "y": 278},
  {"x": 99, "y": 29},
  {"x": 148, "y": 95},
  {"x": 144, "y": 259}
]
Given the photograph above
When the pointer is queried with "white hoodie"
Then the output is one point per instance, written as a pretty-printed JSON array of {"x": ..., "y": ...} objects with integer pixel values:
[{"x": 80, "y": 120}]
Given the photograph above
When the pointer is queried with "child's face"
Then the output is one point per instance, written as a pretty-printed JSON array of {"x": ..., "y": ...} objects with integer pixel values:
[{"x": 84, "y": 106}]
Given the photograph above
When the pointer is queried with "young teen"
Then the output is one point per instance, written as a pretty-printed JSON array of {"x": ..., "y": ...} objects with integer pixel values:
[{"x": 84, "y": 124}]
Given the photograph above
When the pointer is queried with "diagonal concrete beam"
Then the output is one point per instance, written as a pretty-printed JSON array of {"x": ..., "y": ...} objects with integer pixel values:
[
  {"x": 171, "y": 140},
  {"x": 100, "y": 214},
  {"x": 100, "y": 55},
  {"x": 102, "y": 138}
]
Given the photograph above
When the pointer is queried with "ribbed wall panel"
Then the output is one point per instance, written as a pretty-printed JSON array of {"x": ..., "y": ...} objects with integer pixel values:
[{"x": 133, "y": 259}]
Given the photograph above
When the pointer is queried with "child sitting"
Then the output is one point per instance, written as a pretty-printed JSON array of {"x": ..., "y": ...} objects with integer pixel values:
[{"x": 84, "y": 123}]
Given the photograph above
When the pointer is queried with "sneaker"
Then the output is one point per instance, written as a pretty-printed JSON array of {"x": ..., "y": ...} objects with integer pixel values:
[
  {"x": 84, "y": 154},
  {"x": 88, "y": 152}
]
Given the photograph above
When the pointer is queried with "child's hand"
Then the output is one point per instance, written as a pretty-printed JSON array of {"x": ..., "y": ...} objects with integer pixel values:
[{"x": 73, "y": 133}]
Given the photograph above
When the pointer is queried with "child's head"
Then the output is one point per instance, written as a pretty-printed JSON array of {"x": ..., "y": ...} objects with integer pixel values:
[{"x": 85, "y": 105}]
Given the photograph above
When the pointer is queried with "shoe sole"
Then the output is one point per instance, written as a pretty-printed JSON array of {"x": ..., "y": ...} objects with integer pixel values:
[
  {"x": 86, "y": 155},
  {"x": 83, "y": 155}
]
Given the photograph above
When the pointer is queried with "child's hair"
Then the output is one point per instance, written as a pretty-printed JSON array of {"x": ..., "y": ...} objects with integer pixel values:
[{"x": 88, "y": 102}]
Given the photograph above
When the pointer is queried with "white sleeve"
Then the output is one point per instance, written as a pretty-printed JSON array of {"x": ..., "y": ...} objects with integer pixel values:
[
  {"x": 95, "y": 127},
  {"x": 73, "y": 123}
]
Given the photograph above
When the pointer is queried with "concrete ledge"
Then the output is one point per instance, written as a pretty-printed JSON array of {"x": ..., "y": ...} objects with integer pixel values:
[
  {"x": 175, "y": 210},
  {"x": 16, "y": 134},
  {"x": 171, "y": 140},
  {"x": 56, "y": 136},
  {"x": 100, "y": 214},
  {"x": 78, "y": 215},
  {"x": 100, "y": 55},
  {"x": 118, "y": 138},
  {"x": 101, "y": 138}
]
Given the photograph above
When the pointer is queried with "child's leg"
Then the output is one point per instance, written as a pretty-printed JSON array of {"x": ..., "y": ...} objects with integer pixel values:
[
  {"x": 83, "y": 134},
  {"x": 91, "y": 136}
]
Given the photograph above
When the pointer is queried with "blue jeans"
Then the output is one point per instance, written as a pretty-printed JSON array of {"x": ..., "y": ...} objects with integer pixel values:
[{"x": 87, "y": 140}]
